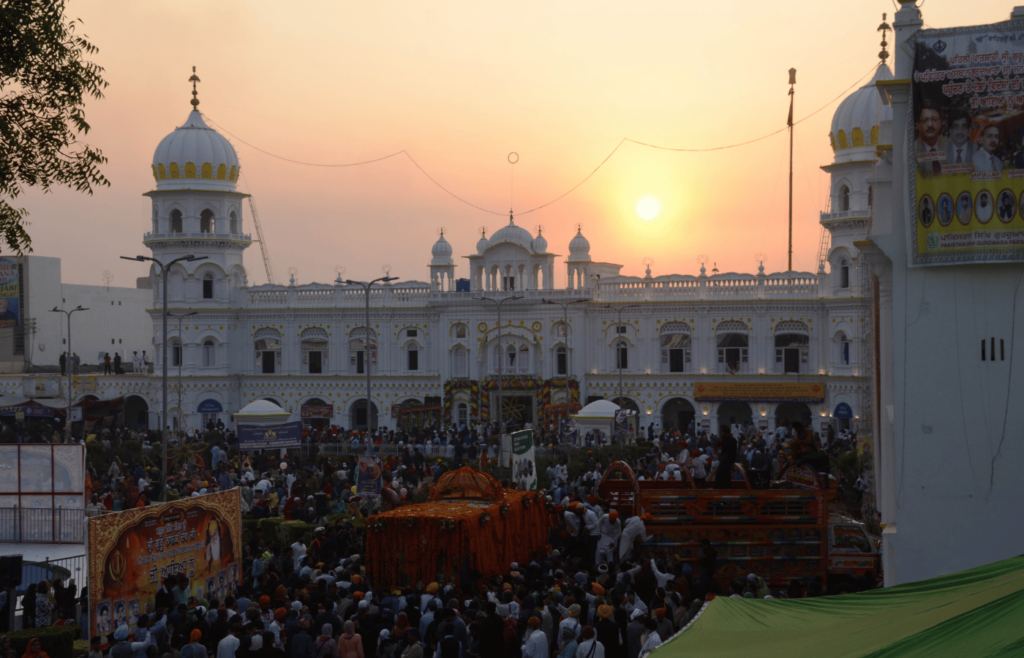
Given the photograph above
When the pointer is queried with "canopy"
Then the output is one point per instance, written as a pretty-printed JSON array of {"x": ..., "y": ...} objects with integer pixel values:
[{"x": 974, "y": 613}]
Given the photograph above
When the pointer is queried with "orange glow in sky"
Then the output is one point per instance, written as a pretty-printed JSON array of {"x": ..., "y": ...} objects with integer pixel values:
[{"x": 460, "y": 85}]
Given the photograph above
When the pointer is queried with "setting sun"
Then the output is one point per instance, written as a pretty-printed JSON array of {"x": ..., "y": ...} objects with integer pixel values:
[{"x": 648, "y": 207}]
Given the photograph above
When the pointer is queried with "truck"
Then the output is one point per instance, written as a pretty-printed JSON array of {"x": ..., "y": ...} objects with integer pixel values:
[{"x": 781, "y": 533}]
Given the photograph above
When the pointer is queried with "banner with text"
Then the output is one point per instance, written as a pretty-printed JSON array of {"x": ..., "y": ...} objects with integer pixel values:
[
  {"x": 759, "y": 391},
  {"x": 269, "y": 437},
  {"x": 524, "y": 463},
  {"x": 967, "y": 154},
  {"x": 130, "y": 553},
  {"x": 370, "y": 477},
  {"x": 10, "y": 293}
]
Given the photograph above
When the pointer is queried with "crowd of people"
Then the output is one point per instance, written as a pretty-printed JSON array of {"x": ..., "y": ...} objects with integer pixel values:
[{"x": 600, "y": 589}]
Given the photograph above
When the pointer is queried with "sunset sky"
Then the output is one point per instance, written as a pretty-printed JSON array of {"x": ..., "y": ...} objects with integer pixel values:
[{"x": 459, "y": 85}]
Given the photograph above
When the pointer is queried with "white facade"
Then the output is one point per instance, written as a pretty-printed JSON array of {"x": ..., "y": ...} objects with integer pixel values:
[{"x": 949, "y": 449}]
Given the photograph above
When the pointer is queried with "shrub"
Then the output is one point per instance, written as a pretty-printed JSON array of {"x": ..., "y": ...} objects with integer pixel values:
[{"x": 58, "y": 641}]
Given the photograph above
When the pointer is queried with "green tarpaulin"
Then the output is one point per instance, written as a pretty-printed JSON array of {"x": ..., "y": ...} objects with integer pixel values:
[{"x": 975, "y": 613}]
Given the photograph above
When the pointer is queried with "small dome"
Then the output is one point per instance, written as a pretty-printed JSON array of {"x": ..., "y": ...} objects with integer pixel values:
[
  {"x": 579, "y": 247},
  {"x": 195, "y": 157},
  {"x": 540, "y": 245},
  {"x": 482, "y": 243},
  {"x": 441, "y": 252},
  {"x": 513, "y": 234},
  {"x": 857, "y": 119}
]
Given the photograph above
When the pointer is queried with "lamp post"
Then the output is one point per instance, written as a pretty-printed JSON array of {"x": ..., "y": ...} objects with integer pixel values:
[
  {"x": 70, "y": 369},
  {"x": 181, "y": 355},
  {"x": 501, "y": 359},
  {"x": 163, "y": 417},
  {"x": 565, "y": 324},
  {"x": 618, "y": 361},
  {"x": 368, "y": 358}
]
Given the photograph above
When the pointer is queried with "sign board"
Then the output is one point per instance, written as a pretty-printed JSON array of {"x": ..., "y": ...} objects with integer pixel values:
[
  {"x": 760, "y": 391},
  {"x": 966, "y": 161},
  {"x": 317, "y": 411},
  {"x": 369, "y": 477},
  {"x": 265, "y": 437},
  {"x": 130, "y": 553},
  {"x": 210, "y": 407},
  {"x": 524, "y": 462},
  {"x": 842, "y": 410},
  {"x": 31, "y": 411},
  {"x": 40, "y": 387},
  {"x": 10, "y": 293},
  {"x": 570, "y": 432},
  {"x": 76, "y": 414}
]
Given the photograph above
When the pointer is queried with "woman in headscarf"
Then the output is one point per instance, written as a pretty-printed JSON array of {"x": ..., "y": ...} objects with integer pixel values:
[
  {"x": 5, "y": 647},
  {"x": 325, "y": 646},
  {"x": 350, "y": 644},
  {"x": 44, "y": 605},
  {"x": 34, "y": 649}
]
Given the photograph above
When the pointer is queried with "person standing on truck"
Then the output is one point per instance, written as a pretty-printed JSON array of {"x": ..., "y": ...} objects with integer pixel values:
[
  {"x": 633, "y": 529},
  {"x": 592, "y": 522},
  {"x": 698, "y": 469},
  {"x": 726, "y": 460},
  {"x": 610, "y": 529}
]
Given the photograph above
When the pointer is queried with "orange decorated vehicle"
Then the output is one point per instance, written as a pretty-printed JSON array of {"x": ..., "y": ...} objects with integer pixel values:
[{"x": 779, "y": 534}]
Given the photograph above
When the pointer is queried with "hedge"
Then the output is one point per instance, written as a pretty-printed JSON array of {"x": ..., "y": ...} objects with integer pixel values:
[{"x": 58, "y": 641}]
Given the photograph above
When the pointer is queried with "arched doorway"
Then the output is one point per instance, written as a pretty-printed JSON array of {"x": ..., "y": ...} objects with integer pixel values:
[
  {"x": 677, "y": 414},
  {"x": 357, "y": 415},
  {"x": 316, "y": 413},
  {"x": 136, "y": 413},
  {"x": 734, "y": 413},
  {"x": 788, "y": 412},
  {"x": 627, "y": 404}
]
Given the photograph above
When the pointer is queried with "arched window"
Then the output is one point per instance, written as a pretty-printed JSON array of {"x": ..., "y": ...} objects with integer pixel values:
[
  {"x": 357, "y": 346},
  {"x": 843, "y": 346},
  {"x": 176, "y": 355},
  {"x": 314, "y": 350},
  {"x": 463, "y": 415},
  {"x": 844, "y": 198},
  {"x": 234, "y": 222},
  {"x": 209, "y": 353},
  {"x": 621, "y": 355},
  {"x": 516, "y": 359},
  {"x": 206, "y": 221},
  {"x": 176, "y": 221},
  {"x": 412, "y": 356},
  {"x": 844, "y": 275},
  {"x": 675, "y": 347},
  {"x": 561, "y": 330},
  {"x": 460, "y": 362},
  {"x": 732, "y": 351},
  {"x": 460, "y": 331},
  {"x": 208, "y": 286},
  {"x": 268, "y": 351},
  {"x": 792, "y": 350},
  {"x": 561, "y": 360}
]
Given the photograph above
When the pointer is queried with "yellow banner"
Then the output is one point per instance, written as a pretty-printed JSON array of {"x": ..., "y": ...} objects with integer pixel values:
[
  {"x": 130, "y": 553},
  {"x": 760, "y": 391}
]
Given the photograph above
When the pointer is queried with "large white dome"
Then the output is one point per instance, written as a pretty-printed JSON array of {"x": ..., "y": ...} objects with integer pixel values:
[
  {"x": 441, "y": 252},
  {"x": 514, "y": 234},
  {"x": 579, "y": 247},
  {"x": 195, "y": 157},
  {"x": 856, "y": 122}
]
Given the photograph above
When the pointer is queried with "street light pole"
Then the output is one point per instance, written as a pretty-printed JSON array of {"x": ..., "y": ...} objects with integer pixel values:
[
  {"x": 163, "y": 418},
  {"x": 367, "y": 357},
  {"x": 70, "y": 369},
  {"x": 618, "y": 361},
  {"x": 501, "y": 360},
  {"x": 181, "y": 356},
  {"x": 565, "y": 324}
]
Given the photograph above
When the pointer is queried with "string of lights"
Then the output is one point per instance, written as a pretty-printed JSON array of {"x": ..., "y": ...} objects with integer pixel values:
[{"x": 572, "y": 189}]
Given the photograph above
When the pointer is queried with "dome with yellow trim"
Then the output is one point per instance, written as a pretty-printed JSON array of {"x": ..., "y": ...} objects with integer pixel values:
[
  {"x": 856, "y": 122},
  {"x": 195, "y": 157}
]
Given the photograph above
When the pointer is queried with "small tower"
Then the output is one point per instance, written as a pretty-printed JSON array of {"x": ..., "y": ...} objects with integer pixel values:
[
  {"x": 579, "y": 261},
  {"x": 442, "y": 267}
]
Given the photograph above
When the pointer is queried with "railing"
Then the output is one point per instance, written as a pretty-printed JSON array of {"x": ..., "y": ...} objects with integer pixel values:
[
  {"x": 146, "y": 237},
  {"x": 21, "y": 525},
  {"x": 791, "y": 285},
  {"x": 864, "y": 213},
  {"x": 33, "y": 573},
  {"x": 324, "y": 296}
]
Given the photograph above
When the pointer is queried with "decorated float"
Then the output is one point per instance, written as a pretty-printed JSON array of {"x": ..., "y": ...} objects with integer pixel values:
[{"x": 471, "y": 527}]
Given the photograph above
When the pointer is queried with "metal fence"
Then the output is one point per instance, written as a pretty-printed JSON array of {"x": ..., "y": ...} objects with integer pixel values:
[
  {"x": 21, "y": 525},
  {"x": 389, "y": 450},
  {"x": 68, "y": 568}
]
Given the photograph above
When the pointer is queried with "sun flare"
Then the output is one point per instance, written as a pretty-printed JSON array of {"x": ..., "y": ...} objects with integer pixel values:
[{"x": 648, "y": 207}]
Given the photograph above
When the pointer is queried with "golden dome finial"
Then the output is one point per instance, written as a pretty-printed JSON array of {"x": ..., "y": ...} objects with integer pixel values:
[
  {"x": 195, "y": 94},
  {"x": 883, "y": 28}
]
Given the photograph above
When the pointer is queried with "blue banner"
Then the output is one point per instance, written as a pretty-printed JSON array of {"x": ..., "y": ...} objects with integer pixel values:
[
  {"x": 210, "y": 407},
  {"x": 843, "y": 410},
  {"x": 269, "y": 437}
]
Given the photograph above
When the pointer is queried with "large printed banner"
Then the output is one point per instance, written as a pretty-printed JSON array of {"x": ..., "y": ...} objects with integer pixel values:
[
  {"x": 130, "y": 553},
  {"x": 524, "y": 461},
  {"x": 370, "y": 477},
  {"x": 10, "y": 293},
  {"x": 272, "y": 437},
  {"x": 759, "y": 391},
  {"x": 570, "y": 431},
  {"x": 967, "y": 156}
]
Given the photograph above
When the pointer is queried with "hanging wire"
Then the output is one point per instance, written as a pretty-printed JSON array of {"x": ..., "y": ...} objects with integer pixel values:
[{"x": 560, "y": 196}]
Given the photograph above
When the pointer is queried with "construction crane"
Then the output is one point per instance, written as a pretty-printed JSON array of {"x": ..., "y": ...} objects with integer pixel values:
[{"x": 271, "y": 278}]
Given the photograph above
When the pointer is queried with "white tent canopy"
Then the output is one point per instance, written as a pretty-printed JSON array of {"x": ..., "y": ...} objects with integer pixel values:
[
  {"x": 598, "y": 417},
  {"x": 261, "y": 412}
]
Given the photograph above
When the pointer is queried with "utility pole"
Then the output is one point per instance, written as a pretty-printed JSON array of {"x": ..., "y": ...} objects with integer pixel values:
[
  {"x": 181, "y": 359},
  {"x": 501, "y": 360},
  {"x": 565, "y": 324},
  {"x": 789, "y": 122},
  {"x": 70, "y": 370},
  {"x": 367, "y": 355}
]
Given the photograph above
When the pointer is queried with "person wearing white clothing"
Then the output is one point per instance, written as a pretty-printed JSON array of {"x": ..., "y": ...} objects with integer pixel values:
[
  {"x": 634, "y": 528},
  {"x": 536, "y": 645},
  {"x": 589, "y": 647},
  {"x": 662, "y": 578},
  {"x": 611, "y": 529},
  {"x": 653, "y": 639}
]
